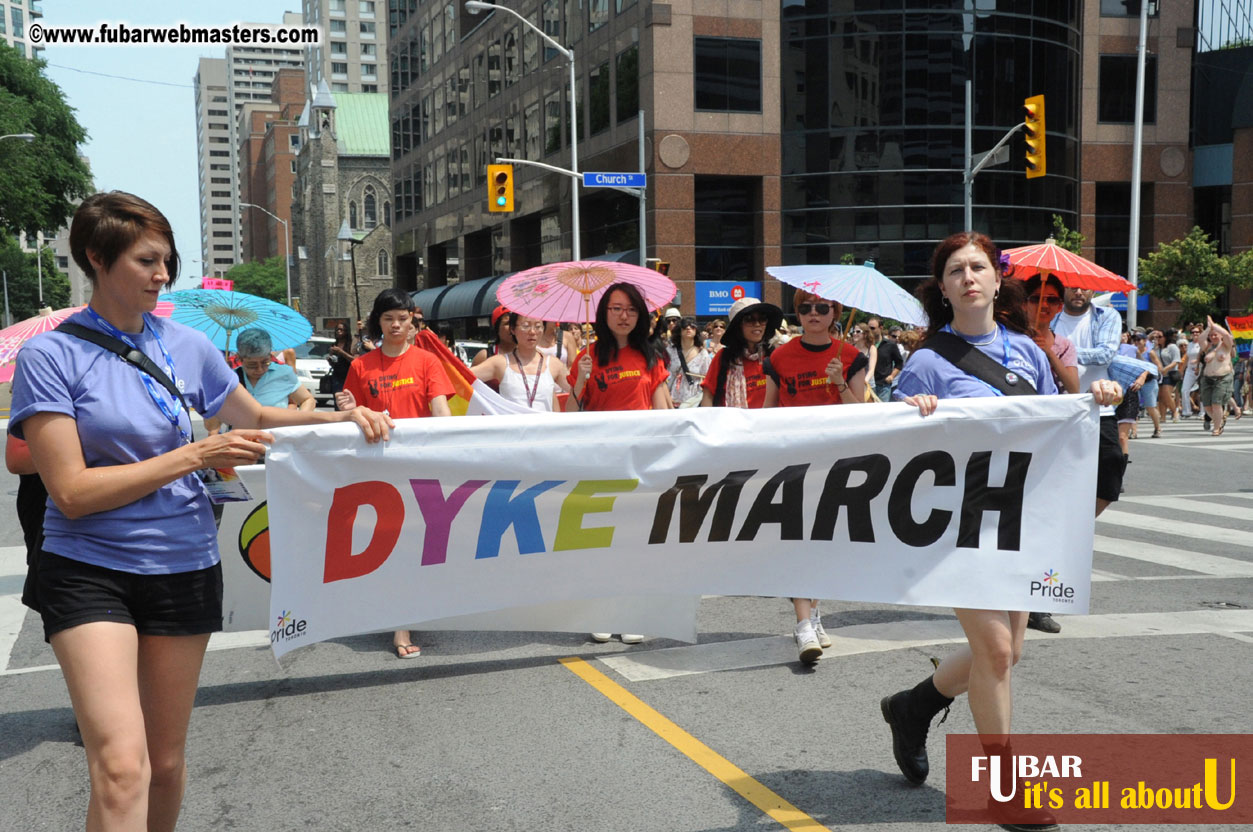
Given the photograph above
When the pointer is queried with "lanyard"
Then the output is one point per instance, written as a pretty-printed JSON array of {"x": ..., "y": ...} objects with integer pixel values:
[
  {"x": 168, "y": 408},
  {"x": 526, "y": 385}
]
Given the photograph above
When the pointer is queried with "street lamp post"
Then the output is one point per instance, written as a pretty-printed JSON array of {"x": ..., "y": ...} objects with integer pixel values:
[
  {"x": 287, "y": 238},
  {"x": 26, "y": 137},
  {"x": 345, "y": 236},
  {"x": 476, "y": 6}
]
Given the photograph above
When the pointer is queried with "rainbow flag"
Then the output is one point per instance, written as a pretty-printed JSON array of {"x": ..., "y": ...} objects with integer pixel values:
[
  {"x": 1241, "y": 327},
  {"x": 472, "y": 397}
]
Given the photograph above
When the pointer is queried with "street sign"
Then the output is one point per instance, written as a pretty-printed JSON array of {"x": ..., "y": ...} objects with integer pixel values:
[
  {"x": 614, "y": 180},
  {"x": 999, "y": 157}
]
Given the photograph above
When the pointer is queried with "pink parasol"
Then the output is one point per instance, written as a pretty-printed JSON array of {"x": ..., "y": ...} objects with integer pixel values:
[
  {"x": 1071, "y": 269},
  {"x": 12, "y": 338},
  {"x": 570, "y": 291}
]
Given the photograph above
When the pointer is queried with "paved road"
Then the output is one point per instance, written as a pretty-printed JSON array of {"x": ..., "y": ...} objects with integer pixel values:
[{"x": 497, "y": 732}]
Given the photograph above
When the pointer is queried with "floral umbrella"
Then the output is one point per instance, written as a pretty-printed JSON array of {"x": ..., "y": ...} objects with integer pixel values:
[
  {"x": 12, "y": 338},
  {"x": 1071, "y": 269},
  {"x": 856, "y": 287},
  {"x": 570, "y": 291},
  {"x": 222, "y": 314}
]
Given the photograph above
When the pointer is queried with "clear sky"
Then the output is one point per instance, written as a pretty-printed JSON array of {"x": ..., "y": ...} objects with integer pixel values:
[{"x": 142, "y": 136}]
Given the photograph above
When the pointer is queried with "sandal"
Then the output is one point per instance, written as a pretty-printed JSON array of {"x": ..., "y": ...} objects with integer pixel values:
[
  {"x": 407, "y": 651},
  {"x": 1157, "y": 434}
]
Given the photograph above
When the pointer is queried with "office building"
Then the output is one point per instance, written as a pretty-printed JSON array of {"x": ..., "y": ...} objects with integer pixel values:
[
  {"x": 352, "y": 56},
  {"x": 269, "y": 139},
  {"x": 15, "y": 16},
  {"x": 246, "y": 74}
]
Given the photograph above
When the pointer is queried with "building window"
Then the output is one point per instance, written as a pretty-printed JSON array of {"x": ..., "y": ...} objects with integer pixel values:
[
  {"x": 371, "y": 208},
  {"x": 597, "y": 14},
  {"x": 293, "y": 165},
  {"x": 726, "y": 210},
  {"x": 368, "y": 50},
  {"x": 339, "y": 50},
  {"x": 387, "y": 214},
  {"x": 1117, "y": 98},
  {"x": 367, "y": 30},
  {"x": 727, "y": 74},
  {"x": 366, "y": 8},
  {"x": 628, "y": 88},
  {"x": 339, "y": 69},
  {"x": 384, "y": 263},
  {"x": 294, "y": 141},
  {"x": 512, "y": 68},
  {"x": 1126, "y": 8},
  {"x": 450, "y": 26},
  {"x": 340, "y": 6},
  {"x": 598, "y": 99},
  {"x": 551, "y": 14},
  {"x": 552, "y": 123},
  {"x": 369, "y": 71},
  {"x": 352, "y": 215},
  {"x": 18, "y": 30},
  {"x": 339, "y": 86},
  {"x": 369, "y": 87},
  {"x": 339, "y": 27}
]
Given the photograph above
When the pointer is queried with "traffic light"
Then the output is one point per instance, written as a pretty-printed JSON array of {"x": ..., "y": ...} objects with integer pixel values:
[
  {"x": 1034, "y": 121},
  {"x": 662, "y": 266},
  {"x": 499, "y": 188}
]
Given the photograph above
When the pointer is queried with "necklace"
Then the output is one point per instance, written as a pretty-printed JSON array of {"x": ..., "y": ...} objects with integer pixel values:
[
  {"x": 526, "y": 384},
  {"x": 995, "y": 333}
]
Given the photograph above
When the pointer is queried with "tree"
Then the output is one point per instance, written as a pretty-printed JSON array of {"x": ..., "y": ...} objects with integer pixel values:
[
  {"x": 22, "y": 275},
  {"x": 41, "y": 179},
  {"x": 263, "y": 278},
  {"x": 1192, "y": 272},
  {"x": 1070, "y": 240}
]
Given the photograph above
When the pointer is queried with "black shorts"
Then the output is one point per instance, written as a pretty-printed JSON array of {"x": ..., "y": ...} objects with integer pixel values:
[
  {"x": 1129, "y": 409},
  {"x": 1111, "y": 464},
  {"x": 71, "y": 592}
]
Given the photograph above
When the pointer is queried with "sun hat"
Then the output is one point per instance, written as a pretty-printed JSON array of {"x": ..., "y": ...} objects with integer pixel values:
[
  {"x": 774, "y": 315},
  {"x": 672, "y": 313}
]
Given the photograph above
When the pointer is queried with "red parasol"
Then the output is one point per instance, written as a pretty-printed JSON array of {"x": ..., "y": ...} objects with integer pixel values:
[{"x": 1071, "y": 269}]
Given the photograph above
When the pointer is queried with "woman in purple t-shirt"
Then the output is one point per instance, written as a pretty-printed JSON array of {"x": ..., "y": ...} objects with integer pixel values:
[{"x": 128, "y": 581}]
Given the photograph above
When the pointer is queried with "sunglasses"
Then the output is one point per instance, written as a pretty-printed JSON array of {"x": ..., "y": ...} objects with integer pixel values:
[
  {"x": 820, "y": 308},
  {"x": 1051, "y": 300},
  {"x": 755, "y": 318}
]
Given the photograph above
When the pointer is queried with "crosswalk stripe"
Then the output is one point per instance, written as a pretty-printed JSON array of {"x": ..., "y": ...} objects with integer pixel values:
[
  {"x": 1194, "y": 506},
  {"x": 899, "y": 635},
  {"x": 1214, "y": 565},
  {"x": 1179, "y": 528}
]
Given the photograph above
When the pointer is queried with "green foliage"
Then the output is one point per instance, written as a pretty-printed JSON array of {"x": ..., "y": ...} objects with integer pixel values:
[
  {"x": 1070, "y": 240},
  {"x": 39, "y": 179},
  {"x": 22, "y": 276},
  {"x": 1192, "y": 272},
  {"x": 263, "y": 278}
]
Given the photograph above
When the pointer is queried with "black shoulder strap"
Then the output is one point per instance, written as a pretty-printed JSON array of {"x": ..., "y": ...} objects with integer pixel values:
[
  {"x": 127, "y": 352},
  {"x": 768, "y": 369},
  {"x": 974, "y": 363}
]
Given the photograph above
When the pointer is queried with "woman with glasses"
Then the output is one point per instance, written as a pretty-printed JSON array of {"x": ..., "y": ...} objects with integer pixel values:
[
  {"x": 1044, "y": 301},
  {"x": 968, "y": 297},
  {"x": 814, "y": 369},
  {"x": 865, "y": 345},
  {"x": 736, "y": 376},
  {"x": 526, "y": 375},
  {"x": 621, "y": 371},
  {"x": 1167, "y": 352},
  {"x": 717, "y": 331},
  {"x": 502, "y": 337},
  {"x": 688, "y": 363},
  {"x": 270, "y": 383}
]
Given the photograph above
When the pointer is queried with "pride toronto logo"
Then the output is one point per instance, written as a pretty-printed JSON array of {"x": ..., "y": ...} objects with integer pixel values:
[
  {"x": 1052, "y": 587},
  {"x": 287, "y": 627}
]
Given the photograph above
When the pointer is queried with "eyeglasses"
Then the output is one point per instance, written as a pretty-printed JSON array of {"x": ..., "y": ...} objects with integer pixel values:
[
  {"x": 629, "y": 311},
  {"x": 539, "y": 327},
  {"x": 689, "y": 326},
  {"x": 718, "y": 326},
  {"x": 255, "y": 363},
  {"x": 1051, "y": 300},
  {"x": 820, "y": 308},
  {"x": 858, "y": 332},
  {"x": 755, "y": 319}
]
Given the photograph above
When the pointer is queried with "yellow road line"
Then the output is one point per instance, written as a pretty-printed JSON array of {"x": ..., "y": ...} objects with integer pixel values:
[{"x": 730, "y": 774}]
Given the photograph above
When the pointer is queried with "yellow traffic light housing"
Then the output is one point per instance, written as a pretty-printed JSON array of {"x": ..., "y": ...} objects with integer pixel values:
[
  {"x": 1033, "y": 119},
  {"x": 499, "y": 188},
  {"x": 658, "y": 265}
]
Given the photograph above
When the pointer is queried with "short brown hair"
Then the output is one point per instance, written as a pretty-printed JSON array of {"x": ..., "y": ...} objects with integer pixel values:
[{"x": 107, "y": 224}]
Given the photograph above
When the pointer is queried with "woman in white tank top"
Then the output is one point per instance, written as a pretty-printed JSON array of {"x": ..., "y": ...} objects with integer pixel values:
[{"x": 525, "y": 374}]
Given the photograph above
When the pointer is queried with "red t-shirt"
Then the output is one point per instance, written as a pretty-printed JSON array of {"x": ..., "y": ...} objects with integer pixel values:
[
  {"x": 754, "y": 380},
  {"x": 625, "y": 383},
  {"x": 802, "y": 371},
  {"x": 403, "y": 386}
]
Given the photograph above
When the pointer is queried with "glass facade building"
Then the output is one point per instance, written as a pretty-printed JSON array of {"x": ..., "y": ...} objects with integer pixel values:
[{"x": 873, "y": 125}]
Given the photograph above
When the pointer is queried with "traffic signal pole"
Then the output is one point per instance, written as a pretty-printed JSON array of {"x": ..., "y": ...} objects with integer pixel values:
[{"x": 985, "y": 159}]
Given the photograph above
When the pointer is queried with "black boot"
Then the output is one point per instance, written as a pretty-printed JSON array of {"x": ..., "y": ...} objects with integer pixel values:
[{"x": 909, "y": 713}]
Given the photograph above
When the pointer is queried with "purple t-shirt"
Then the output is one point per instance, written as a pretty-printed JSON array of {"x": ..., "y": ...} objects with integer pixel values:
[
  {"x": 927, "y": 372},
  {"x": 170, "y": 530}
]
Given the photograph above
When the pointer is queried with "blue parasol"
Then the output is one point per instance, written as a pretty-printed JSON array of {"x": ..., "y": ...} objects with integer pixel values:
[
  {"x": 856, "y": 287},
  {"x": 221, "y": 315}
]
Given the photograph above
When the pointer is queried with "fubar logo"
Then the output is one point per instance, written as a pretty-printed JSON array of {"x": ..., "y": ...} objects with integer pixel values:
[
  {"x": 287, "y": 627},
  {"x": 1052, "y": 587}
]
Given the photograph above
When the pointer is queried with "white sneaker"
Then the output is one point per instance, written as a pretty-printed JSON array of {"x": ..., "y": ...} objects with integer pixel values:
[
  {"x": 807, "y": 642},
  {"x": 631, "y": 638},
  {"x": 601, "y": 637},
  {"x": 824, "y": 640}
]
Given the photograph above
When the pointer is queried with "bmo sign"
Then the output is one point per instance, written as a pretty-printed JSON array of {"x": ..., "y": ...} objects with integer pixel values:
[{"x": 714, "y": 297}]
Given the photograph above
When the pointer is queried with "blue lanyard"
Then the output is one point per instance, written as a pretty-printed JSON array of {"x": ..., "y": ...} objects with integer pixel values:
[{"x": 168, "y": 408}]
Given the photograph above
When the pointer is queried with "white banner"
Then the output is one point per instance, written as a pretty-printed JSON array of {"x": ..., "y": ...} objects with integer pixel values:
[{"x": 988, "y": 504}]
